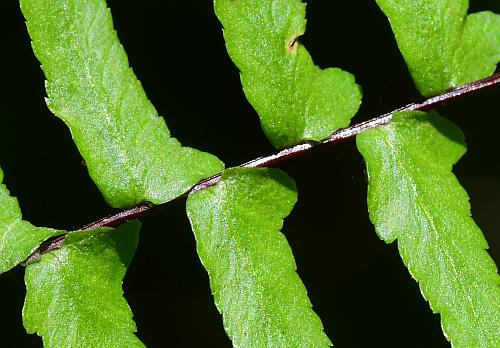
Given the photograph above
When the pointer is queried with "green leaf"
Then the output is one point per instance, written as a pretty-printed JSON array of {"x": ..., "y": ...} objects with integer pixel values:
[
  {"x": 413, "y": 197},
  {"x": 18, "y": 238},
  {"x": 295, "y": 99},
  {"x": 127, "y": 147},
  {"x": 74, "y": 294},
  {"x": 249, "y": 262},
  {"x": 442, "y": 46}
]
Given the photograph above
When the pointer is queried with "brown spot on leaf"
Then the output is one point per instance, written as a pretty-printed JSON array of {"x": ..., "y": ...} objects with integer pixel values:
[{"x": 293, "y": 44}]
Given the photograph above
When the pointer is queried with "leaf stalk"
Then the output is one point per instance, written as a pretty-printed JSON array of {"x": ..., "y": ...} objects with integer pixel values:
[{"x": 282, "y": 156}]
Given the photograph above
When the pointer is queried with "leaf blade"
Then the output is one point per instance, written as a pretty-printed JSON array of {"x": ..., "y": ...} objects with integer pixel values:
[
  {"x": 442, "y": 46},
  {"x": 18, "y": 238},
  {"x": 249, "y": 262},
  {"x": 414, "y": 198},
  {"x": 127, "y": 147},
  {"x": 480, "y": 52},
  {"x": 74, "y": 294},
  {"x": 295, "y": 99}
]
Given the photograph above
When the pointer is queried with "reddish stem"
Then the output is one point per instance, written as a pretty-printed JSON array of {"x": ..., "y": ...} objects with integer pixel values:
[{"x": 280, "y": 157}]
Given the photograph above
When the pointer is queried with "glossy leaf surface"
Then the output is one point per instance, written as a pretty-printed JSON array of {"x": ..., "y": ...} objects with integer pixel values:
[
  {"x": 74, "y": 294},
  {"x": 128, "y": 149},
  {"x": 295, "y": 99},
  {"x": 414, "y": 197},
  {"x": 442, "y": 45},
  {"x": 250, "y": 264}
]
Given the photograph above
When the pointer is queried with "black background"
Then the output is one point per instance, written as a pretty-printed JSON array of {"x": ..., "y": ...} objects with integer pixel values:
[{"x": 358, "y": 284}]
